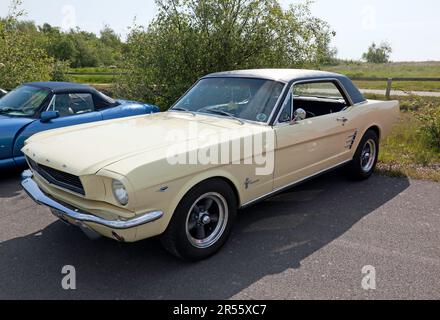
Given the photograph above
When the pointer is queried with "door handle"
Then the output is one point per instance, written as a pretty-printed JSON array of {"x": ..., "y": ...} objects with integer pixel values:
[{"x": 342, "y": 119}]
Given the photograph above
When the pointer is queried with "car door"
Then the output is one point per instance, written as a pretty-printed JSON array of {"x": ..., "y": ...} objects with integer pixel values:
[
  {"x": 73, "y": 109},
  {"x": 319, "y": 142}
]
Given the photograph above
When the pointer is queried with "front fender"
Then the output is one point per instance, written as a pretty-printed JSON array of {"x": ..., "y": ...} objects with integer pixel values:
[
  {"x": 166, "y": 198},
  {"x": 10, "y": 129},
  {"x": 128, "y": 109},
  {"x": 201, "y": 177}
]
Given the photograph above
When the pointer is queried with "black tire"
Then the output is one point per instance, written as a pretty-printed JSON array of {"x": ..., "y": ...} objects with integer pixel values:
[
  {"x": 178, "y": 239},
  {"x": 356, "y": 169}
]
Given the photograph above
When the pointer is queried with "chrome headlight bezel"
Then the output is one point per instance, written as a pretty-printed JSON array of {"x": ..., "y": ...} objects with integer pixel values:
[{"x": 120, "y": 192}]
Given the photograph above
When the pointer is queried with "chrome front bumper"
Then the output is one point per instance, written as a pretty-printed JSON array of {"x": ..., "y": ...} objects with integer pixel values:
[{"x": 63, "y": 212}]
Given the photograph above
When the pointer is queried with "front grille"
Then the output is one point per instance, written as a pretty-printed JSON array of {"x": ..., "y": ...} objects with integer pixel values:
[{"x": 59, "y": 178}]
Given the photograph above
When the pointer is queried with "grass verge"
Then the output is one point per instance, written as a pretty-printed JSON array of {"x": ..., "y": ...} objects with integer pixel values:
[
  {"x": 429, "y": 69},
  {"x": 410, "y": 151}
]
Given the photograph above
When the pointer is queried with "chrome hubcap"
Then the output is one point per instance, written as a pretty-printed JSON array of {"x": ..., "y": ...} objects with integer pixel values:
[
  {"x": 207, "y": 220},
  {"x": 368, "y": 156}
]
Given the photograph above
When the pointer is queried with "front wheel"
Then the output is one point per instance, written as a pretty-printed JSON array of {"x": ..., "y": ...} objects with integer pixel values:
[
  {"x": 365, "y": 158},
  {"x": 202, "y": 221}
]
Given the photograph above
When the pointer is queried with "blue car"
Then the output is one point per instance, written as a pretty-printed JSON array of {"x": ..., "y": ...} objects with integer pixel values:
[{"x": 40, "y": 106}]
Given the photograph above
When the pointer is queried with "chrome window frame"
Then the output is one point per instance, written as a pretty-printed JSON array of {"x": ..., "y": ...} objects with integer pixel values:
[
  {"x": 289, "y": 94},
  {"x": 339, "y": 86},
  {"x": 51, "y": 104}
]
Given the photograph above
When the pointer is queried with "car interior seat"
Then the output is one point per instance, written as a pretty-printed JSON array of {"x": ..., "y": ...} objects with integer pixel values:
[{"x": 62, "y": 105}]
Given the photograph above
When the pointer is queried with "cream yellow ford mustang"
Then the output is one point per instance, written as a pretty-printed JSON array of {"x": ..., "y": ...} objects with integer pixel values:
[{"x": 234, "y": 139}]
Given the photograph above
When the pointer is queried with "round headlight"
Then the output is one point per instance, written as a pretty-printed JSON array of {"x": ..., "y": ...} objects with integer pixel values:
[{"x": 120, "y": 192}]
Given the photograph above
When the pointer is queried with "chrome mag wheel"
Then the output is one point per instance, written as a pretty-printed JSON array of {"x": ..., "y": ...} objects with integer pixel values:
[
  {"x": 207, "y": 220},
  {"x": 368, "y": 156}
]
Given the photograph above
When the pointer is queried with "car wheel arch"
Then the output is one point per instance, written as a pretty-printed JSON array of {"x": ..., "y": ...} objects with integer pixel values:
[
  {"x": 189, "y": 185},
  {"x": 375, "y": 127}
]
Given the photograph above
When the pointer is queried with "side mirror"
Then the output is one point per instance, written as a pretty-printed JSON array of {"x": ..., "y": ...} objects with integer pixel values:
[
  {"x": 46, "y": 116},
  {"x": 299, "y": 115}
]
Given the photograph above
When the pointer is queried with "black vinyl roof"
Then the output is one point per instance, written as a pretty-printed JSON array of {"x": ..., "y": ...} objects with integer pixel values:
[
  {"x": 60, "y": 87},
  {"x": 292, "y": 75}
]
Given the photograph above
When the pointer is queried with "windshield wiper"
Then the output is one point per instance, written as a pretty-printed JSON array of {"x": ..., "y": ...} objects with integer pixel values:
[
  {"x": 6, "y": 110},
  {"x": 184, "y": 110},
  {"x": 224, "y": 113}
]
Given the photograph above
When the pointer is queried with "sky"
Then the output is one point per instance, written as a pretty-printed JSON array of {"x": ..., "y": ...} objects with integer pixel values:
[{"x": 411, "y": 27}]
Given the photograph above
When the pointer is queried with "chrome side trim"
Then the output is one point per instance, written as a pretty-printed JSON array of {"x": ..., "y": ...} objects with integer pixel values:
[
  {"x": 360, "y": 103},
  {"x": 279, "y": 190},
  {"x": 63, "y": 211}
]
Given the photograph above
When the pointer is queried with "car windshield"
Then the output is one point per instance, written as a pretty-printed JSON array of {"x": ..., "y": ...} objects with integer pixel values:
[
  {"x": 242, "y": 98},
  {"x": 23, "y": 101}
]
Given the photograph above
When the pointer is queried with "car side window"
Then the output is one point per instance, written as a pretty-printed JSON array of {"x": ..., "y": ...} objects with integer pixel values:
[
  {"x": 326, "y": 90},
  {"x": 318, "y": 98},
  {"x": 72, "y": 104}
]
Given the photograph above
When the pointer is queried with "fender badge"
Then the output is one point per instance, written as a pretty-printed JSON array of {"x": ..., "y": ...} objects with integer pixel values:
[
  {"x": 249, "y": 182},
  {"x": 163, "y": 189}
]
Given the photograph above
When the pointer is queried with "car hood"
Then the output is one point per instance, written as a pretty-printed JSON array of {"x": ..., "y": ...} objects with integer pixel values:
[
  {"x": 13, "y": 120},
  {"x": 86, "y": 149}
]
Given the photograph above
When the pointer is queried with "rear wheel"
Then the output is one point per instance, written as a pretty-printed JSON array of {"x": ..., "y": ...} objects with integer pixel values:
[
  {"x": 365, "y": 158},
  {"x": 202, "y": 221}
]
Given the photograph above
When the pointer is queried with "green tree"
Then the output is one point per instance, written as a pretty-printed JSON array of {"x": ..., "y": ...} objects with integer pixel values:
[
  {"x": 60, "y": 71},
  {"x": 86, "y": 53},
  {"x": 190, "y": 38},
  {"x": 22, "y": 58},
  {"x": 378, "y": 54},
  {"x": 80, "y": 48},
  {"x": 110, "y": 47},
  {"x": 57, "y": 44}
]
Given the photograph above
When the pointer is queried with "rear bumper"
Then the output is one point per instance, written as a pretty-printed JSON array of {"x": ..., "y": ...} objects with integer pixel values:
[{"x": 80, "y": 218}]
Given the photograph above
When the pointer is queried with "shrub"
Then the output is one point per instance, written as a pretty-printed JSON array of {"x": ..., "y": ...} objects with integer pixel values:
[
  {"x": 378, "y": 54},
  {"x": 21, "y": 56},
  {"x": 60, "y": 71},
  {"x": 430, "y": 127},
  {"x": 190, "y": 38}
]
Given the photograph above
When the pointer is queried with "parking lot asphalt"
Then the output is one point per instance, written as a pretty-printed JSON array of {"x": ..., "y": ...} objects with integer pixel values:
[{"x": 311, "y": 242}]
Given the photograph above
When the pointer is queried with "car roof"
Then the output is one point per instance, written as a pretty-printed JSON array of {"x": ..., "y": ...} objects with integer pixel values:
[
  {"x": 293, "y": 75},
  {"x": 285, "y": 75},
  {"x": 58, "y": 87}
]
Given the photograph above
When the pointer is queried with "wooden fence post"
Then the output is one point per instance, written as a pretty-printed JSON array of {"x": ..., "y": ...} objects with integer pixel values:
[{"x": 389, "y": 87}]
